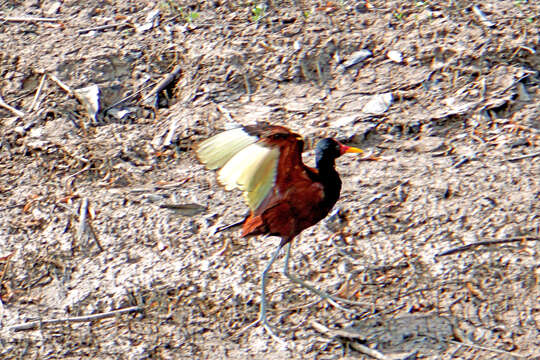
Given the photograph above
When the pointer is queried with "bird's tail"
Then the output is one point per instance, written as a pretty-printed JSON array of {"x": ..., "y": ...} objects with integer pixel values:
[{"x": 227, "y": 227}]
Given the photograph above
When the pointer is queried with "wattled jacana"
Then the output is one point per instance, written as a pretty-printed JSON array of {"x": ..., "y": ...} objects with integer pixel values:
[{"x": 284, "y": 195}]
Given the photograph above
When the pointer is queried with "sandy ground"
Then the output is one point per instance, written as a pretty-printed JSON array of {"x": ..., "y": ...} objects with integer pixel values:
[{"x": 112, "y": 211}]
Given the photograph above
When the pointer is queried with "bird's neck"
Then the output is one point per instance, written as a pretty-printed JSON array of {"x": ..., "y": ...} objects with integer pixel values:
[{"x": 330, "y": 180}]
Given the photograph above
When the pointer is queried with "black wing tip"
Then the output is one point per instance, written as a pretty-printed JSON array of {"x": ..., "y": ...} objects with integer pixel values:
[{"x": 257, "y": 128}]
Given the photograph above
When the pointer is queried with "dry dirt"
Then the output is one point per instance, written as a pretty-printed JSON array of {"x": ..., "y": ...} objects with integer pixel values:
[{"x": 459, "y": 148}]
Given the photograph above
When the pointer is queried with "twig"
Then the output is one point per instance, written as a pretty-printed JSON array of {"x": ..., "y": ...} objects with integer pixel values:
[
  {"x": 6, "y": 259},
  {"x": 486, "y": 242},
  {"x": 521, "y": 47},
  {"x": 350, "y": 335},
  {"x": 9, "y": 207},
  {"x": 189, "y": 209},
  {"x": 63, "y": 86},
  {"x": 94, "y": 235},
  {"x": 103, "y": 27},
  {"x": 336, "y": 332},
  {"x": 84, "y": 225},
  {"x": 514, "y": 83},
  {"x": 522, "y": 157},
  {"x": 458, "y": 334},
  {"x": 87, "y": 167},
  {"x": 463, "y": 161},
  {"x": 38, "y": 92},
  {"x": 225, "y": 112},
  {"x": 11, "y": 108},
  {"x": 246, "y": 83},
  {"x": 165, "y": 82},
  {"x": 482, "y": 17},
  {"x": 36, "y": 324},
  {"x": 511, "y": 354},
  {"x": 529, "y": 49},
  {"x": 28, "y": 19},
  {"x": 129, "y": 97},
  {"x": 35, "y": 103},
  {"x": 162, "y": 186}
]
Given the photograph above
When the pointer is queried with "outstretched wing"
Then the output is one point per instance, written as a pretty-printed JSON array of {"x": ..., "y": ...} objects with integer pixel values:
[
  {"x": 248, "y": 158},
  {"x": 219, "y": 149}
]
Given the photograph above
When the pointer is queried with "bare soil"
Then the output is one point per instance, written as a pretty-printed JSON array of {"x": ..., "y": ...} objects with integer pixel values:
[{"x": 458, "y": 148}]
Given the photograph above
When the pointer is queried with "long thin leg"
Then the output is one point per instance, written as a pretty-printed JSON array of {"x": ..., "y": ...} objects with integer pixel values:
[
  {"x": 262, "y": 312},
  {"x": 302, "y": 283}
]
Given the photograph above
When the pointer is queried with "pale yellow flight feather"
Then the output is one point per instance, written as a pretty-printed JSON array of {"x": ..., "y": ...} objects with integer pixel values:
[
  {"x": 245, "y": 165},
  {"x": 217, "y": 150},
  {"x": 252, "y": 170}
]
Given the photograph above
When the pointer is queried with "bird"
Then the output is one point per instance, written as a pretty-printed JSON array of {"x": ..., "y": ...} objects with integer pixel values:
[{"x": 284, "y": 195}]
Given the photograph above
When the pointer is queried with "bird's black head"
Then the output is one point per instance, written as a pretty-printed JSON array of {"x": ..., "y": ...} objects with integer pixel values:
[{"x": 329, "y": 149}]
